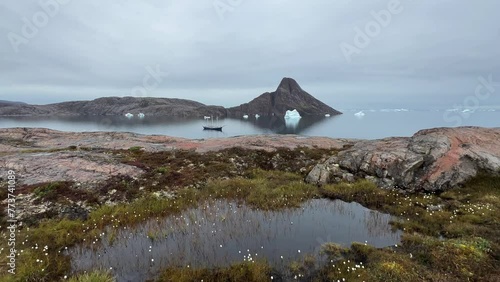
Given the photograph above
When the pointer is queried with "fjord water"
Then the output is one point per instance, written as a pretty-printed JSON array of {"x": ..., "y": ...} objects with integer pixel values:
[
  {"x": 374, "y": 124},
  {"x": 220, "y": 233}
]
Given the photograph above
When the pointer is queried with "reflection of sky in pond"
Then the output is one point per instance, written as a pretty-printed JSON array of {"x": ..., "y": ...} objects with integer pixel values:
[{"x": 220, "y": 233}]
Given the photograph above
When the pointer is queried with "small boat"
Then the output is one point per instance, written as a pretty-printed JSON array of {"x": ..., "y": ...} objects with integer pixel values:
[
  {"x": 212, "y": 126},
  {"x": 245, "y": 116},
  {"x": 257, "y": 116},
  {"x": 327, "y": 115},
  {"x": 141, "y": 115},
  {"x": 129, "y": 115},
  {"x": 209, "y": 127}
]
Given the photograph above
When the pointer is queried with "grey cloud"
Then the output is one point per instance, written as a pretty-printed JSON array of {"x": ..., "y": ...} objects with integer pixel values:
[{"x": 99, "y": 48}]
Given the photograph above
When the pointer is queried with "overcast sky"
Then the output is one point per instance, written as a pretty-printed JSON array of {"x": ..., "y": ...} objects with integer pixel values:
[{"x": 428, "y": 53}]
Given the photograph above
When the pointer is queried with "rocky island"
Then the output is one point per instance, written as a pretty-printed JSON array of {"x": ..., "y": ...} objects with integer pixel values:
[{"x": 288, "y": 96}]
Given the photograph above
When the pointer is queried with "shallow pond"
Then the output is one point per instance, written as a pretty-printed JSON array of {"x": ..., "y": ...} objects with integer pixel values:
[{"x": 220, "y": 233}]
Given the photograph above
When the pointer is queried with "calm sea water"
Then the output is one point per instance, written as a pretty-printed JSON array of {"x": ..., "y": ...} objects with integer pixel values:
[{"x": 374, "y": 124}]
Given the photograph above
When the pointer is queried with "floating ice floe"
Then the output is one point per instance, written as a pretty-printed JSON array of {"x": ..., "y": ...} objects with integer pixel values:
[
  {"x": 129, "y": 115},
  {"x": 395, "y": 110},
  {"x": 360, "y": 114},
  {"x": 245, "y": 116},
  {"x": 292, "y": 114},
  {"x": 141, "y": 115}
]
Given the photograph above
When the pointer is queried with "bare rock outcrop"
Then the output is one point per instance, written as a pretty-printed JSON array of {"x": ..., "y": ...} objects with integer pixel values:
[
  {"x": 41, "y": 155},
  {"x": 33, "y": 168},
  {"x": 288, "y": 96},
  {"x": 431, "y": 160}
]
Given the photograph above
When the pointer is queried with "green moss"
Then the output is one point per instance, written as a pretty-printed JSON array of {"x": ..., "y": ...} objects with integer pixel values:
[
  {"x": 397, "y": 271},
  {"x": 163, "y": 170},
  {"x": 265, "y": 189},
  {"x": 135, "y": 149},
  {"x": 246, "y": 271},
  {"x": 47, "y": 192},
  {"x": 296, "y": 268},
  {"x": 464, "y": 258},
  {"x": 333, "y": 250},
  {"x": 94, "y": 276},
  {"x": 364, "y": 191},
  {"x": 59, "y": 192},
  {"x": 361, "y": 252},
  {"x": 34, "y": 265}
]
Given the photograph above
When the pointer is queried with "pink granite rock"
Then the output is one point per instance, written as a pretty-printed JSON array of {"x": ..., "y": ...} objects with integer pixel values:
[{"x": 431, "y": 160}]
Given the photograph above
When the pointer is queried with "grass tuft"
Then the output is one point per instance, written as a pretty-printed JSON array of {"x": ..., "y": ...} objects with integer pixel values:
[
  {"x": 94, "y": 276},
  {"x": 245, "y": 271}
]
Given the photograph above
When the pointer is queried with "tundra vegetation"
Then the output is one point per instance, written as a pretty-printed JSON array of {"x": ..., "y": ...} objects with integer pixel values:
[{"x": 448, "y": 236}]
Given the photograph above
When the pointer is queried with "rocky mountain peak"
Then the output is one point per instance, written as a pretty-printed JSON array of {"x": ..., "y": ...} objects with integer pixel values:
[
  {"x": 288, "y": 84},
  {"x": 288, "y": 96}
]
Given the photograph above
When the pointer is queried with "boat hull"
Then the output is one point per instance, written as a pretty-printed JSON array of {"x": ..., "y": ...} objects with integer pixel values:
[{"x": 216, "y": 128}]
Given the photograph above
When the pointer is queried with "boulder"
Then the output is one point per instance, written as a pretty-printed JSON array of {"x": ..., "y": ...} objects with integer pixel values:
[
  {"x": 320, "y": 174},
  {"x": 431, "y": 160}
]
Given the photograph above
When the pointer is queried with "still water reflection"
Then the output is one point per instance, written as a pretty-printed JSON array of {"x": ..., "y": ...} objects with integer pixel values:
[
  {"x": 220, "y": 233},
  {"x": 372, "y": 125}
]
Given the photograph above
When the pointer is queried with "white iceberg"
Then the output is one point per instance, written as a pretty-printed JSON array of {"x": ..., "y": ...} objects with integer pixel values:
[
  {"x": 292, "y": 123},
  {"x": 141, "y": 115},
  {"x": 245, "y": 116},
  {"x": 129, "y": 115},
  {"x": 360, "y": 114},
  {"x": 292, "y": 114},
  {"x": 394, "y": 110}
]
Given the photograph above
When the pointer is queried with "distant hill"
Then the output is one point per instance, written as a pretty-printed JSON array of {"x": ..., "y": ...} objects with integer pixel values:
[
  {"x": 6, "y": 103},
  {"x": 288, "y": 96},
  {"x": 116, "y": 106}
]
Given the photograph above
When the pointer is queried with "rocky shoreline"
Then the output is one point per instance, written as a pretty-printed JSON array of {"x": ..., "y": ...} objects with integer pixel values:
[
  {"x": 40, "y": 155},
  {"x": 431, "y": 160},
  {"x": 78, "y": 188}
]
